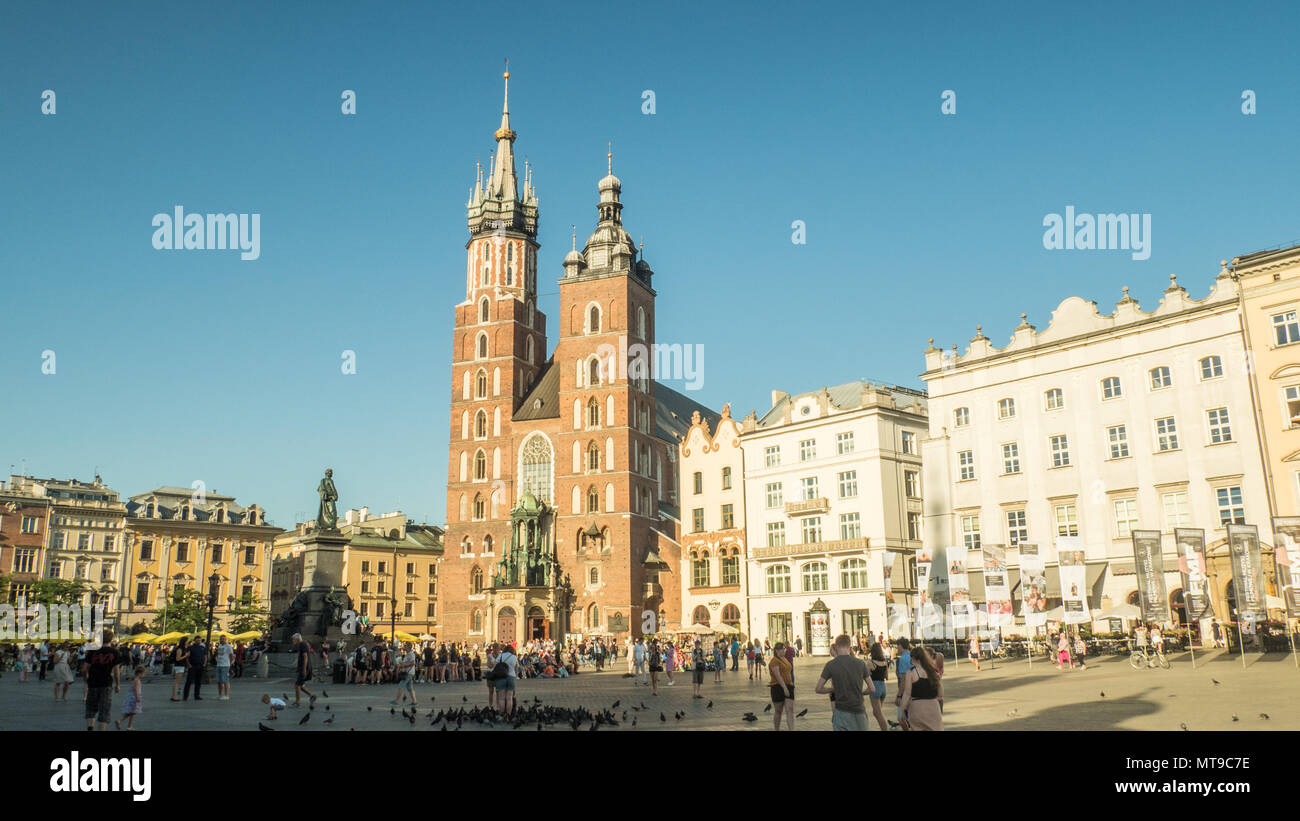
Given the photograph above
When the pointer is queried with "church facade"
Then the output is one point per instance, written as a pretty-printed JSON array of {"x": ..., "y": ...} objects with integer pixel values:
[{"x": 561, "y": 489}]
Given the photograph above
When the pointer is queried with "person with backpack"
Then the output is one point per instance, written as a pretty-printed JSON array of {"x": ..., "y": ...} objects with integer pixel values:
[
  {"x": 504, "y": 673},
  {"x": 405, "y": 668},
  {"x": 656, "y": 660},
  {"x": 749, "y": 659}
]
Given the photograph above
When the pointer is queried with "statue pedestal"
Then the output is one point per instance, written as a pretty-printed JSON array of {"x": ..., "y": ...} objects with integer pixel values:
[{"x": 322, "y": 564}]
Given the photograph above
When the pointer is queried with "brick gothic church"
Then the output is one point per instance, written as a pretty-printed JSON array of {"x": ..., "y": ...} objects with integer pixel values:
[{"x": 562, "y": 483}]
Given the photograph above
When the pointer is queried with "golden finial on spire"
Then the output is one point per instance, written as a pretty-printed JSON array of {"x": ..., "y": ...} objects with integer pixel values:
[
  {"x": 609, "y": 148},
  {"x": 574, "y": 229}
]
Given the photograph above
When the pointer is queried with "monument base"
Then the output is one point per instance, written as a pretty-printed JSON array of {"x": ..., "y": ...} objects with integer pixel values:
[{"x": 312, "y": 612}]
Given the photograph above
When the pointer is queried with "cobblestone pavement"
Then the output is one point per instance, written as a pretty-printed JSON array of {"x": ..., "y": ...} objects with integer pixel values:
[{"x": 1013, "y": 696}]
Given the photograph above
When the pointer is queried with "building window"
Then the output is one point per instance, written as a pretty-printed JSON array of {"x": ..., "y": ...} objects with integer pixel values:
[
  {"x": 593, "y": 413},
  {"x": 217, "y": 553},
  {"x": 961, "y": 417},
  {"x": 772, "y": 456},
  {"x": 1285, "y": 328},
  {"x": 431, "y": 610},
  {"x": 1060, "y": 451},
  {"x": 778, "y": 578},
  {"x": 537, "y": 467},
  {"x": 593, "y": 457},
  {"x": 1166, "y": 434},
  {"x": 1110, "y": 388},
  {"x": 815, "y": 578},
  {"x": 182, "y": 551},
  {"x": 850, "y": 526},
  {"x": 1006, "y": 409},
  {"x": 1176, "y": 513},
  {"x": 807, "y": 449},
  {"x": 773, "y": 491},
  {"x": 1017, "y": 529},
  {"x": 970, "y": 532},
  {"x": 1161, "y": 378},
  {"x": 475, "y": 581},
  {"x": 731, "y": 614},
  {"x": 1118, "y": 438},
  {"x": 1231, "y": 509},
  {"x": 1055, "y": 399},
  {"x": 966, "y": 464},
  {"x": 1220, "y": 429},
  {"x": 848, "y": 484},
  {"x": 480, "y": 508},
  {"x": 593, "y": 500},
  {"x": 812, "y": 529},
  {"x": 25, "y": 561},
  {"x": 728, "y": 517},
  {"x": 1067, "y": 522},
  {"x": 83, "y": 541},
  {"x": 853, "y": 574},
  {"x": 250, "y": 555},
  {"x": 726, "y": 478},
  {"x": 593, "y": 320},
  {"x": 142, "y": 594},
  {"x": 697, "y": 520},
  {"x": 909, "y": 442},
  {"x": 1010, "y": 458},
  {"x": 914, "y": 526},
  {"x": 1293, "y": 406},
  {"x": 844, "y": 443},
  {"x": 29, "y": 524},
  {"x": 1126, "y": 517},
  {"x": 809, "y": 485},
  {"x": 912, "y": 484},
  {"x": 146, "y": 550},
  {"x": 1211, "y": 367},
  {"x": 730, "y": 570},
  {"x": 699, "y": 572},
  {"x": 775, "y": 534},
  {"x": 699, "y": 482}
]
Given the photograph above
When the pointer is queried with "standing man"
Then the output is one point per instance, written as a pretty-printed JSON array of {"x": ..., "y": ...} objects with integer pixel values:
[
  {"x": 225, "y": 655},
  {"x": 846, "y": 674},
  {"x": 638, "y": 661},
  {"x": 194, "y": 664},
  {"x": 903, "y": 666},
  {"x": 100, "y": 672},
  {"x": 302, "y": 670},
  {"x": 735, "y": 654},
  {"x": 505, "y": 685}
]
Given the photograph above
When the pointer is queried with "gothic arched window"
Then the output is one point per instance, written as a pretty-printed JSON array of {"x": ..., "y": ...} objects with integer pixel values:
[
  {"x": 593, "y": 320},
  {"x": 480, "y": 385},
  {"x": 476, "y": 580},
  {"x": 510, "y": 264},
  {"x": 640, "y": 322},
  {"x": 482, "y": 346},
  {"x": 593, "y": 413},
  {"x": 593, "y": 371},
  {"x": 480, "y": 465},
  {"x": 593, "y": 500},
  {"x": 484, "y": 310},
  {"x": 480, "y": 425},
  {"x": 480, "y": 508},
  {"x": 593, "y": 457},
  {"x": 537, "y": 466}
]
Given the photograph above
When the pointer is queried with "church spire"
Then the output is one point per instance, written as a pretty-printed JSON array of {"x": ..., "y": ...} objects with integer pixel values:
[
  {"x": 503, "y": 176},
  {"x": 496, "y": 202}
]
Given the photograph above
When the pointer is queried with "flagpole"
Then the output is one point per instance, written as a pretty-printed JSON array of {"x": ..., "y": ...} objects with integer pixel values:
[{"x": 1241, "y": 642}]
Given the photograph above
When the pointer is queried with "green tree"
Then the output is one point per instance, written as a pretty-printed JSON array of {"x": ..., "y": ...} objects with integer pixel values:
[
  {"x": 58, "y": 591},
  {"x": 186, "y": 612},
  {"x": 245, "y": 615}
]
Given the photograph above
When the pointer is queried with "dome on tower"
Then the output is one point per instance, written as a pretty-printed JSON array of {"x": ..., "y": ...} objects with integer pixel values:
[
  {"x": 609, "y": 183},
  {"x": 574, "y": 257}
]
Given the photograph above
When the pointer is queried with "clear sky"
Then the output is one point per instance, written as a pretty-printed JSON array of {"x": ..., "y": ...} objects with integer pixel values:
[{"x": 177, "y": 366}]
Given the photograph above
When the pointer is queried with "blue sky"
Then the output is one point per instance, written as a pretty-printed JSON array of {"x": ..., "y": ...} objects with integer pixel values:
[{"x": 174, "y": 367}]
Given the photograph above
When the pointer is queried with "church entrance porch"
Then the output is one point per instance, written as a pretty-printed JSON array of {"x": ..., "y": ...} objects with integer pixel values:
[
  {"x": 538, "y": 627},
  {"x": 506, "y": 625}
]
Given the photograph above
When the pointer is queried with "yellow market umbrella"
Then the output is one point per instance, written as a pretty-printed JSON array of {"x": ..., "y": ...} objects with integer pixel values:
[
  {"x": 170, "y": 638},
  {"x": 247, "y": 635},
  {"x": 142, "y": 638},
  {"x": 402, "y": 635},
  {"x": 217, "y": 634}
]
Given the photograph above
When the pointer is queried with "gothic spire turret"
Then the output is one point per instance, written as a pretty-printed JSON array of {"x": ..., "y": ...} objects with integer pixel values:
[{"x": 495, "y": 203}]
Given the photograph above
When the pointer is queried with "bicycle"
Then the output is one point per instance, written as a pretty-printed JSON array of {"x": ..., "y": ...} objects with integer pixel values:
[{"x": 1143, "y": 656}]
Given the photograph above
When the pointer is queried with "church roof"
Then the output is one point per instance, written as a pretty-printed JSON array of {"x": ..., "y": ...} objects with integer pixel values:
[{"x": 543, "y": 401}]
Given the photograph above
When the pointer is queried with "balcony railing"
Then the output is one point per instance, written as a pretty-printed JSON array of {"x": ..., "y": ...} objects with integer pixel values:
[
  {"x": 808, "y": 506},
  {"x": 833, "y": 546}
]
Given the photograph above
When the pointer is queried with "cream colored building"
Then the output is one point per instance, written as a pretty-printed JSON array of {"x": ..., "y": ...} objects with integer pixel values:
[
  {"x": 712, "y": 496},
  {"x": 1269, "y": 284},
  {"x": 178, "y": 537},
  {"x": 86, "y": 536},
  {"x": 1098, "y": 425},
  {"x": 833, "y": 490}
]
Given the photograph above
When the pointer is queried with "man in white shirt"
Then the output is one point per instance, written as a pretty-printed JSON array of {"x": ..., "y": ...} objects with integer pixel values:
[
  {"x": 225, "y": 653},
  {"x": 505, "y": 685},
  {"x": 638, "y": 662}
]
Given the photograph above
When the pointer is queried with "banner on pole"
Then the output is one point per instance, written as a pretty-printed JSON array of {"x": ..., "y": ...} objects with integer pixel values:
[
  {"x": 1191, "y": 564},
  {"x": 1149, "y": 562},
  {"x": 932, "y": 593},
  {"x": 1074, "y": 579},
  {"x": 997, "y": 590},
  {"x": 1247, "y": 575},
  {"x": 963, "y": 611},
  {"x": 1286, "y": 555},
  {"x": 1033, "y": 584}
]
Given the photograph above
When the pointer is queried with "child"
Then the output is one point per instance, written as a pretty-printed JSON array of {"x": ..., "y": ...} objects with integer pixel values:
[
  {"x": 276, "y": 705},
  {"x": 134, "y": 701}
]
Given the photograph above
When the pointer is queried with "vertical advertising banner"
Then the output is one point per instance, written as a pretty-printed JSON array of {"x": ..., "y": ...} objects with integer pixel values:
[
  {"x": 1247, "y": 575},
  {"x": 932, "y": 592},
  {"x": 963, "y": 611},
  {"x": 1074, "y": 579},
  {"x": 898, "y": 621},
  {"x": 1033, "y": 584},
  {"x": 997, "y": 590},
  {"x": 1149, "y": 562},
  {"x": 1286, "y": 554},
  {"x": 1191, "y": 564}
]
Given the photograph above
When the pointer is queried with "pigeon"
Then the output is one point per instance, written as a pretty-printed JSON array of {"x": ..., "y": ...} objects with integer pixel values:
[
  {"x": 633, "y": 721},
  {"x": 709, "y": 705},
  {"x": 1013, "y": 712},
  {"x": 662, "y": 717},
  {"x": 286, "y": 696},
  {"x": 312, "y": 706},
  {"x": 322, "y": 692},
  {"x": 265, "y": 728},
  {"x": 329, "y": 720},
  {"x": 1216, "y": 682},
  {"x": 1183, "y": 726},
  {"x": 1234, "y": 717},
  {"x": 767, "y": 709},
  {"x": 677, "y": 716},
  {"x": 1264, "y": 716},
  {"x": 615, "y": 707},
  {"x": 369, "y": 708},
  {"x": 1103, "y": 695},
  {"x": 305, "y": 718},
  {"x": 392, "y": 711},
  {"x": 465, "y": 699},
  {"x": 801, "y": 713},
  {"x": 750, "y": 717},
  {"x": 412, "y": 718}
]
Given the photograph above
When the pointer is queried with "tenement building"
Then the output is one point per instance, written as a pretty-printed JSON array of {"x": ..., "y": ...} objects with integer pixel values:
[
  {"x": 24, "y": 527},
  {"x": 561, "y": 498},
  {"x": 1097, "y": 426},
  {"x": 711, "y": 488},
  {"x": 833, "y": 497},
  {"x": 178, "y": 538}
]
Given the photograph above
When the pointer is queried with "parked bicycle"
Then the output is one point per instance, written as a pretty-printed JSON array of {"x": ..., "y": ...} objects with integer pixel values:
[{"x": 1145, "y": 656}]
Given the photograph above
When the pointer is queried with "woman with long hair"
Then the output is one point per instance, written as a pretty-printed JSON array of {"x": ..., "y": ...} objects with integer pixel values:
[
  {"x": 180, "y": 654},
  {"x": 922, "y": 691},
  {"x": 782, "y": 685},
  {"x": 878, "y": 668}
]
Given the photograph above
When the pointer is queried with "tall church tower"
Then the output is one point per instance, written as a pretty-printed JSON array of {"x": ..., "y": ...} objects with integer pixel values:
[{"x": 499, "y": 347}]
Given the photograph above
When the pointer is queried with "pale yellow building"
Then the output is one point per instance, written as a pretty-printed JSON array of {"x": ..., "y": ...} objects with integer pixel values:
[{"x": 178, "y": 537}]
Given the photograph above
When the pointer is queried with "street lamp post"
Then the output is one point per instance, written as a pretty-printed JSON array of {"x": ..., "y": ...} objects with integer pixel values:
[
  {"x": 213, "y": 581},
  {"x": 393, "y": 636}
]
